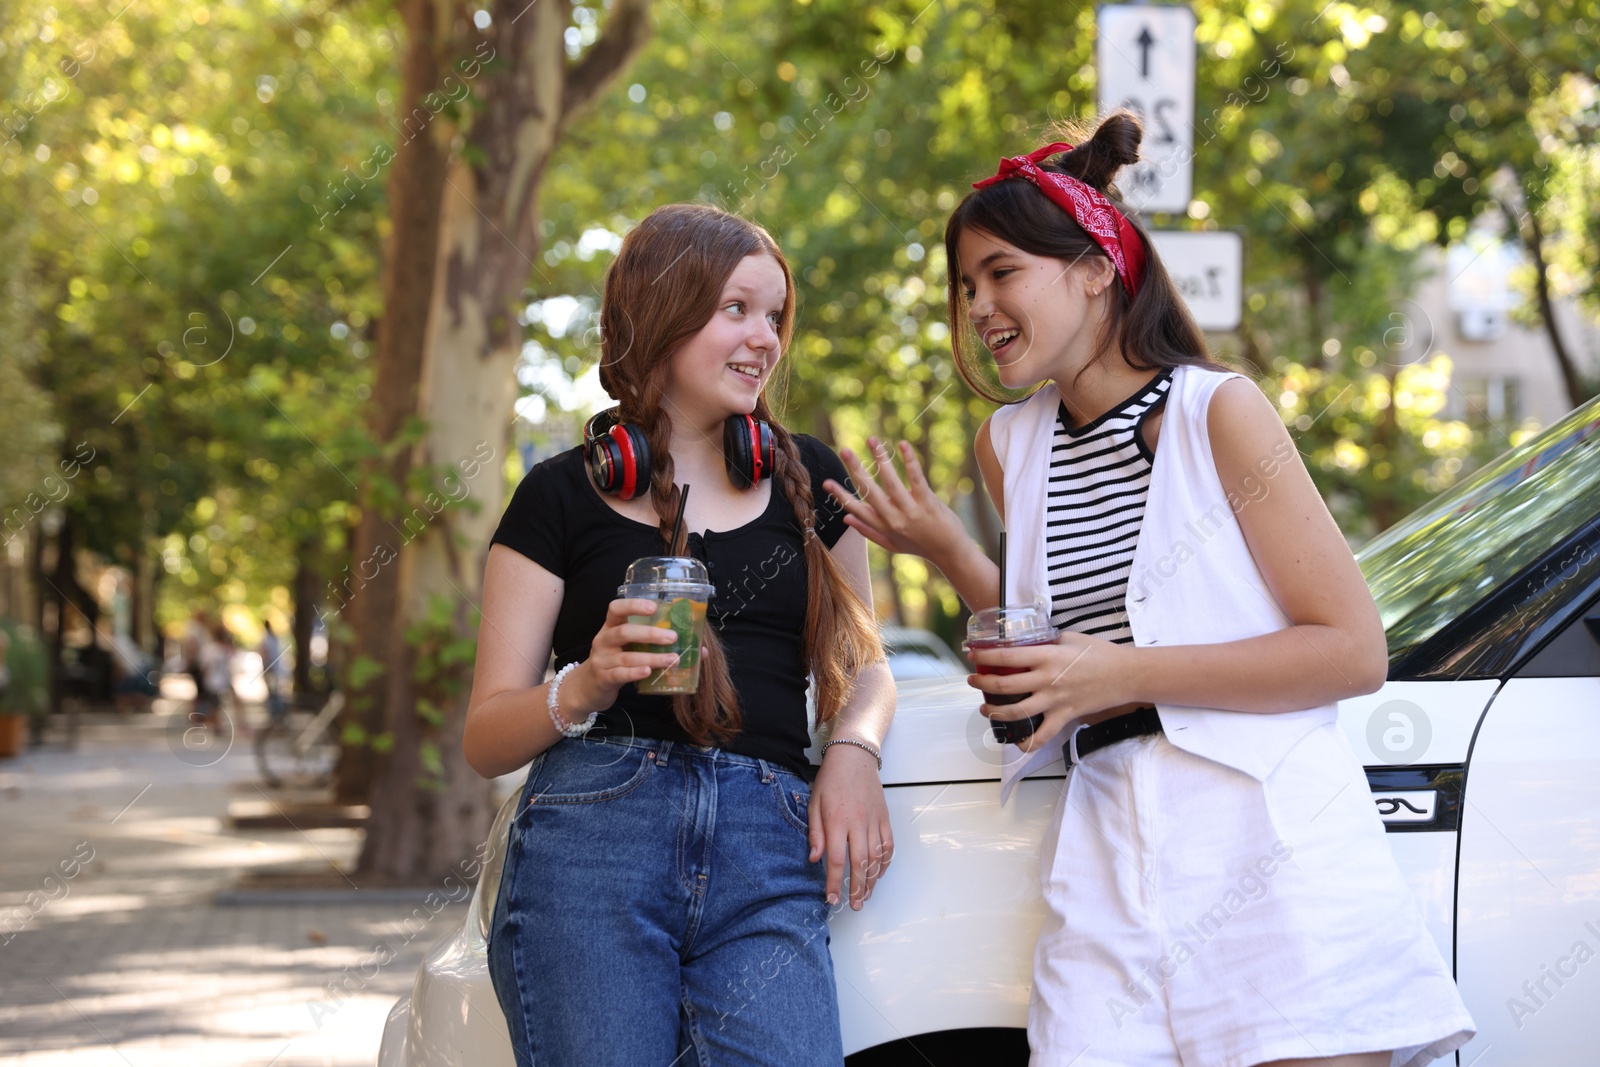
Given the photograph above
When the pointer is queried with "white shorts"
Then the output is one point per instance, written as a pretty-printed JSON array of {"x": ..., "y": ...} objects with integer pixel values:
[{"x": 1196, "y": 916}]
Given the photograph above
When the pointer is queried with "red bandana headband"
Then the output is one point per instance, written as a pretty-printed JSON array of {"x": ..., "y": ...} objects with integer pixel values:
[{"x": 1109, "y": 228}]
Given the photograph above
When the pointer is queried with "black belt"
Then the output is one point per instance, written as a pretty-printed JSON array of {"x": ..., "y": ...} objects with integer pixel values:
[{"x": 1140, "y": 722}]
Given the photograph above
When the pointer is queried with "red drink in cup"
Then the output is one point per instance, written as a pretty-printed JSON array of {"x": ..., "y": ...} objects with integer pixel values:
[{"x": 1009, "y": 627}]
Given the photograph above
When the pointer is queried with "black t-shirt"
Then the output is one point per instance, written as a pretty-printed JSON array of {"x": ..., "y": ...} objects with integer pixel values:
[{"x": 557, "y": 519}]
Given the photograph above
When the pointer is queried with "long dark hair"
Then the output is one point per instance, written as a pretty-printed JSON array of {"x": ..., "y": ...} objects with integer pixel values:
[
  {"x": 661, "y": 289},
  {"x": 1154, "y": 329}
]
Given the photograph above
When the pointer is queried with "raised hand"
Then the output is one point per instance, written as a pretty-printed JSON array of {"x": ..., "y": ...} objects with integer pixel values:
[{"x": 899, "y": 515}]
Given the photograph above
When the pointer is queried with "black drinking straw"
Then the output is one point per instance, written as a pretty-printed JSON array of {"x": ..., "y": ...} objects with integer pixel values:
[
  {"x": 677, "y": 526},
  {"x": 1002, "y": 581}
]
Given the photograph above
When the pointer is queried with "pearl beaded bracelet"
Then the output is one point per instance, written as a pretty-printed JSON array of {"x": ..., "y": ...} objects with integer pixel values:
[{"x": 567, "y": 729}]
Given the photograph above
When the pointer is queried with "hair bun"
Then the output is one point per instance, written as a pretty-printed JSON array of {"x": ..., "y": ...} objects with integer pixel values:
[{"x": 1113, "y": 145}]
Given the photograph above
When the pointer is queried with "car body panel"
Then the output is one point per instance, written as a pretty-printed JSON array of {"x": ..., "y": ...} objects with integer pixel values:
[
  {"x": 1407, "y": 723},
  {"x": 1529, "y": 893},
  {"x": 946, "y": 940},
  {"x": 392, "y": 1052},
  {"x": 937, "y": 736},
  {"x": 1427, "y": 862},
  {"x": 451, "y": 1016},
  {"x": 915, "y": 654}
]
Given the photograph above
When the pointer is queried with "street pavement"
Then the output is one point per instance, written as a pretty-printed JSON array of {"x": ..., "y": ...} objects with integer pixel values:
[{"x": 113, "y": 950}]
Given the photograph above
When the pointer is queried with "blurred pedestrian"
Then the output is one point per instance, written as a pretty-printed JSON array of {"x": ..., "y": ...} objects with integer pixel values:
[
  {"x": 274, "y": 669},
  {"x": 216, "y": 670},
  {"x": 196, "y": 635},
  {"x": 133, "y": 674}
]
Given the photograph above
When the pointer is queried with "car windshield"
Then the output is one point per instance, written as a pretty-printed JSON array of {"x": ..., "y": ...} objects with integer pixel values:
[{"x": 1470, "y": 540}]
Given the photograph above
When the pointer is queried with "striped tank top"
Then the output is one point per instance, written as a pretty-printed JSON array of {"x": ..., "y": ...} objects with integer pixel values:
[{"x": 1094, "y": 506}]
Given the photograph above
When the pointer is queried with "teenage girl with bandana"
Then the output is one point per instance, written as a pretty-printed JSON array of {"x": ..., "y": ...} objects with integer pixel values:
[{"x": 1218, "y": 887}]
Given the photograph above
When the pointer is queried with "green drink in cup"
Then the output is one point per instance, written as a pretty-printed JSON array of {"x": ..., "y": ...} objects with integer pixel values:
[{"x": 681, "y": 589}]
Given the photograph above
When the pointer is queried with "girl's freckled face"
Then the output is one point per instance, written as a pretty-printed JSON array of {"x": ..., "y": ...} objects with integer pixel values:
[{"x": 721, "y": 370}]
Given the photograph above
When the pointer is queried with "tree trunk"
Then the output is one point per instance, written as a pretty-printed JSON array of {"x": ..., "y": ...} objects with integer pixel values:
[
  {"x": 897, "y": 606},
  {"x": 305, "y": 609},
  {"x": 430, "y": 810},
  {"x": 1533, "y": 238},
  {"x": 1385, "y": 503},
  {"x": 52, "y": 617},
  {"x": 367, "y": 592},
  {"x": 152, "y": 619},
  {"x": 66, "y": 576},
  {"x": 1316, "y": 297},
  {"x": 146, "y": 626},
  {"x": 136, "y": 599},
  {"x": 1250, "y": 352},
  {"x": 42, "y": 595},
  {"x": 67, "y": 593},
  {"x": 33, "y": 588},
  {"x": 984, "y": 516},
  {"x": 822, "y": 427}
]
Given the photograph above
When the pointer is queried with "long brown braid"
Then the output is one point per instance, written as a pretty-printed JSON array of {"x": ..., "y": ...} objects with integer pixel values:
[
  {"x": 662, "y": 288},
  {"x": 712, "y": 712},
  {"x": 841, "y": 635}
]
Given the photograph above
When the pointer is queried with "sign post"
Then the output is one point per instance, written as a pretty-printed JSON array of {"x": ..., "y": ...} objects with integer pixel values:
[
  {"x": 1146, "y": 61},
  {"x": 1145, "y": 56},
  {"x": 1207, "y": 269}
]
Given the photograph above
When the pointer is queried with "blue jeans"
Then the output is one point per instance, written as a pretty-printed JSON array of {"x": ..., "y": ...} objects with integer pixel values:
[{"x": 657, "y": 909}]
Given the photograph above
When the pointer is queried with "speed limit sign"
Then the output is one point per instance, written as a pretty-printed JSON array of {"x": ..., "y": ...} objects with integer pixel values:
[{"x": 1145, "y": 57}]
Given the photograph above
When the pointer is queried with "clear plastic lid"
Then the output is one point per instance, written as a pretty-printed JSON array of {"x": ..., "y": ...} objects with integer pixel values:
[
  {"x": 1020, "y": 624},
  {"x": 675, "y": 575}
]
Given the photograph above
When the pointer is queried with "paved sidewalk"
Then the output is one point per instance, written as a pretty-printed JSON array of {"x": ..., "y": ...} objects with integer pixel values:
[{"x": 112, "y": 952}]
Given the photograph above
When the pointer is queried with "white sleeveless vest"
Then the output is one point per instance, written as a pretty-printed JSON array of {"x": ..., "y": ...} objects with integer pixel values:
[{"x": 1193, "y": 580}]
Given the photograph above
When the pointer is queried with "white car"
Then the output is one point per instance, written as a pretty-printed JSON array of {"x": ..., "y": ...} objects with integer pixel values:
[
  {"x": 1482, "y": 751},
  {"x": 917, "y": 654}
]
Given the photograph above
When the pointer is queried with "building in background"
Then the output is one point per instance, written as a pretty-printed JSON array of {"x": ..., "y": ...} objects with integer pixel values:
[{"x": 1470, "y": 307}]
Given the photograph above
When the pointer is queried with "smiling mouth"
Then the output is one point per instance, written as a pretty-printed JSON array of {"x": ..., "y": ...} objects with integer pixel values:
[
  {"x": 1001, "y": 340},
  {"x": 748, "y": 371}
]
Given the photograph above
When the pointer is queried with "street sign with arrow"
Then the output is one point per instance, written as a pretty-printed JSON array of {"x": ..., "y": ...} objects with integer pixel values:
[{"x": 1146, "y": 63}]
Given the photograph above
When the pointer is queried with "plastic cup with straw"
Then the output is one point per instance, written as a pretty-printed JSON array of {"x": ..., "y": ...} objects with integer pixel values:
[
  {"x": 682, "y": 590},
  {"x": 1008, "y": 627}
]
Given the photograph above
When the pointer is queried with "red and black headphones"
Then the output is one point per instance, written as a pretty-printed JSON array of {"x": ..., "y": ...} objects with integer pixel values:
[{"x": 619, "y": 457}]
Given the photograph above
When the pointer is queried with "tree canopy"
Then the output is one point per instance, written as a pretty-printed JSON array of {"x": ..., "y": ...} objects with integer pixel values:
[{"x": 200, "y": 200}]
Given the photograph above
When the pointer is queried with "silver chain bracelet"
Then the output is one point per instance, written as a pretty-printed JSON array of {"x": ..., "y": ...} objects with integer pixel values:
[
  {"x": 567, "y": 729},
  {"x": 859, "y": 744}
]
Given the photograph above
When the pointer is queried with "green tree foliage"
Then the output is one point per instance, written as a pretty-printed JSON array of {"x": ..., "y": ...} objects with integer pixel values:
[
  {"x": 851, "y": 130},
  {"x": 201, "y": 254},
  {"x": 197, "y": 208}
]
